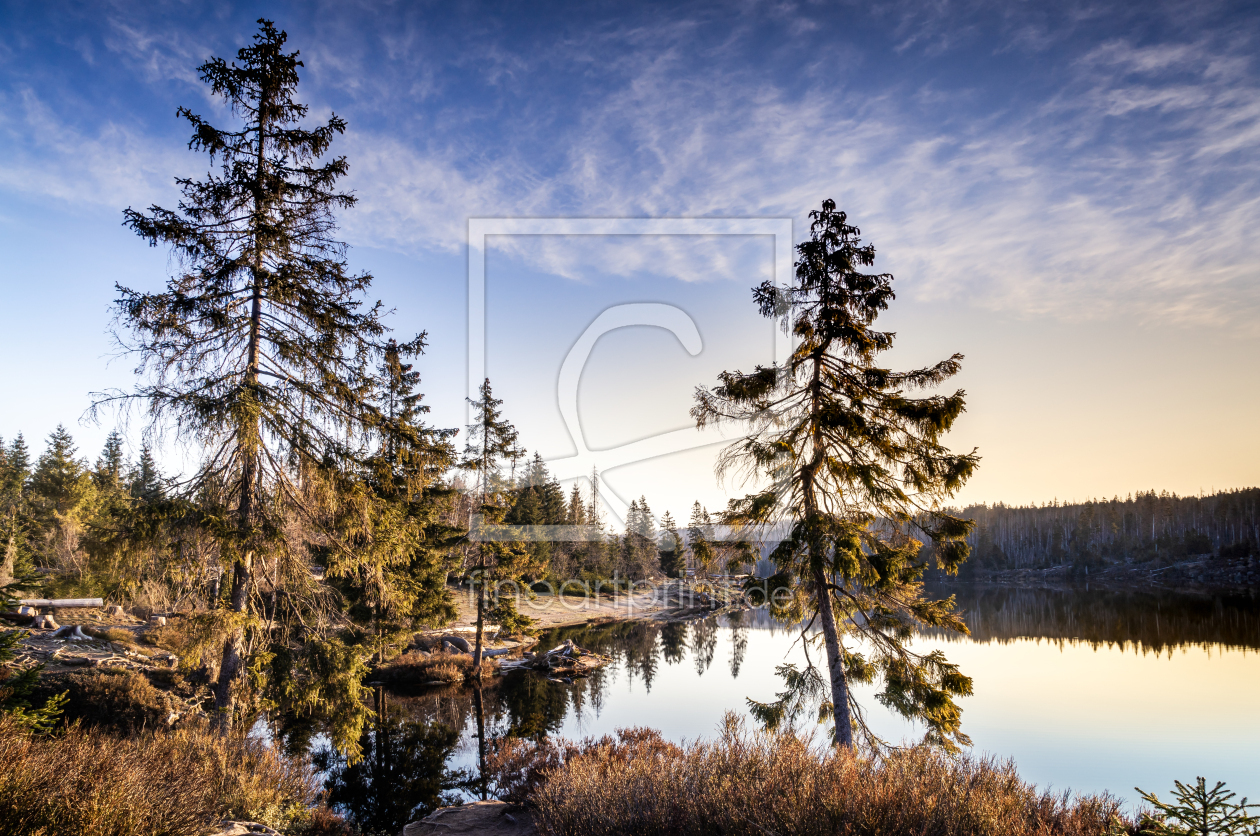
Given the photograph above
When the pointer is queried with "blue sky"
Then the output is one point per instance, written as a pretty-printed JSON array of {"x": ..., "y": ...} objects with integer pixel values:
[{"x": 1067, "y": 194}]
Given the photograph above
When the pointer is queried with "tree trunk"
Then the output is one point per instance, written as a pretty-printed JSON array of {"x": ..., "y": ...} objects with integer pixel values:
[
  {"x": 822, "y": 592},
  {"x": 247, "y": 440},
  {"x": 481, "y": 738},
  {"x": 234, "y": 646},
  {"x": 481, "y": 616},
  {"x": 835, "y": 661}
]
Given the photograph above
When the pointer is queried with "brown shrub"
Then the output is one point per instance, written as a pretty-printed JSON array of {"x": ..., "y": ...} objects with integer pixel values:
[
  {"x": 168, "y": 784},
  {"x": 756, "y": 784},
  {"x": 418, "y": 668},
  {"x": 122, "y": 700}
]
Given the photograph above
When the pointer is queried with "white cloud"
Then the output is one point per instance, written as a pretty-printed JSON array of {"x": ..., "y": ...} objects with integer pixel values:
[{"x": 1130, "y": 192}]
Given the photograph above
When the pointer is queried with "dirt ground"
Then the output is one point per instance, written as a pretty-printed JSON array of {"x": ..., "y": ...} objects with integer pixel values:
[{"x": 648, "y": 601}]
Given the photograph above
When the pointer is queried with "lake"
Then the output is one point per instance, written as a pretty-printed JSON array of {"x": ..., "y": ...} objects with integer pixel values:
[{"x": 1088, "y": 690}]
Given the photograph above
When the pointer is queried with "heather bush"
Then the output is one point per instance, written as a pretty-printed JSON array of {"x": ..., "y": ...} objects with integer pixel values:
[
  {"x": 419, "y": 668},
  {"x": 175, "y": 783},
  {"x": 122, "y": 700},
  {"x": 756, "y": 784}
]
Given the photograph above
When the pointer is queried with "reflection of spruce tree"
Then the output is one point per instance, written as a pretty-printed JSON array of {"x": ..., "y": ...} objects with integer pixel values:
[
  {"x": 532, "y": 707},
  {"x": 402, "y": 776},
  {"x": 739, "y": 641},
  {"x": 857, "y": 468},
  {"x": 673, "y": 641},
  {"x": 703, "y": 643}
]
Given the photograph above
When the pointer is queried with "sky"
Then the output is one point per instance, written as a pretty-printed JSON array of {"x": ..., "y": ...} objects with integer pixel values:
[{"x": 1066, "y": 193}]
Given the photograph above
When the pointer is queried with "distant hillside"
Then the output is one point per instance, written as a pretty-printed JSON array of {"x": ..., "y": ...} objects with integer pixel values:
[{"x": 1145, "y": 527}]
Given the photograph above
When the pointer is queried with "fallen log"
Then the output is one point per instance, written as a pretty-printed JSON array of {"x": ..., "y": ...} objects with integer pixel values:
[
  {"x": 561, "y": 662},
  {"x": 456, "y": 642},
  {"x": 59, "y": 603}
]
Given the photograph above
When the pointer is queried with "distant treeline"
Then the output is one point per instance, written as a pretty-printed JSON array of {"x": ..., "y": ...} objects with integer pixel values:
[
  {"x": 1149, "y": 620},
  {"x": 1143, "y": 527}
]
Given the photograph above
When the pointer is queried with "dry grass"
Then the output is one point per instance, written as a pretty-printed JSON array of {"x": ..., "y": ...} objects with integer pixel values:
[
  {"x": 418, "y": 668},
  {"x": 170, "y": 784},
  {"x": 746, "y": 784}
]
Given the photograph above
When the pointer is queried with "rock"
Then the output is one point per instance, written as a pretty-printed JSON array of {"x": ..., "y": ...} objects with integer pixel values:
[
  {"x": 480, "y": 818},
  {"x": 157, "y": 620}
]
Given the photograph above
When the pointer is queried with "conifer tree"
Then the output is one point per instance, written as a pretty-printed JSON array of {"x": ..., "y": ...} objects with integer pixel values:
[
  {"x": 261, "y": 347},
  {"x": 576, "y": 511},
  {"x": 700, "y": 539},
  {"x": 393, "y": 566},
  {"x": 146, "y": 482},
  {"x": 672, "y": 550},
  {"x": 15, "y": 516},
  {"x": 492, "y": 440},
  {"x": 111, "y": 464},
  {"x": 856, "y": 468},
  {"x": 58, "y": 481}
]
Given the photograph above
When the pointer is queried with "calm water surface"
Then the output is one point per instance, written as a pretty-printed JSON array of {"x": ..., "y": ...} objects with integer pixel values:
[{"x": 1087, "y": 690}]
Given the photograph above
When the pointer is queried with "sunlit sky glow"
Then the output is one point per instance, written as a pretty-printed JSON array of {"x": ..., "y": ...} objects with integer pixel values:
[{"x": 1067, "y": 194}]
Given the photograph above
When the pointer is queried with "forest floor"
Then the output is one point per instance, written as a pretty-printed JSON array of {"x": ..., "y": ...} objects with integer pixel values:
[{"x": 1199, "y": 573}]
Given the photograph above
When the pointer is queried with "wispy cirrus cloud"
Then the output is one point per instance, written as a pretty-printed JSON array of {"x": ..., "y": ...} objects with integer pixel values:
[{"x": 1125, "y": 183}]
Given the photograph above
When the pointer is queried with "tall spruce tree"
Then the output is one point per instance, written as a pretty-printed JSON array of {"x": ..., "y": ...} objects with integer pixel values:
[
  {"x": 261, "y": 347},
  {"x": 856, "y": 468},
  {"x": 492, "y": 441}
]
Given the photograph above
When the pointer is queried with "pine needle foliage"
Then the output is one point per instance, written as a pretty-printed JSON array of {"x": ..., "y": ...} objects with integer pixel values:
[
  {"x": 855, "y": 470},
  {"x": 1198, "y": 811}
]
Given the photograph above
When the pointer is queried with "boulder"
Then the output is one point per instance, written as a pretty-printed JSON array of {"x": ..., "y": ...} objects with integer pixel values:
[{"x": 480, "y": 818}]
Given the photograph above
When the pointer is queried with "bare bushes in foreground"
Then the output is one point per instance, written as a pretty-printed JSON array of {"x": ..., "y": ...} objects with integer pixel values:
[
  {"x": 756, "y": 784},
  {"x": 163, "y": 784}
]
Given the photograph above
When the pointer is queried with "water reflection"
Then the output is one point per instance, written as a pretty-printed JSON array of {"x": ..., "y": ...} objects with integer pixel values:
[
  {"x": 404, "y": 772},
  {"x": 429, "y": 745},
  {"x": 1148, "y": 620}
]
